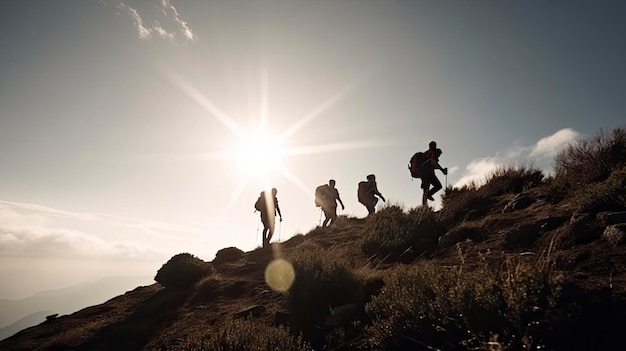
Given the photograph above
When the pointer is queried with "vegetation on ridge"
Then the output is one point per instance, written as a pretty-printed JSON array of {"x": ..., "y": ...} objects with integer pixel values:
[{"x": 559, "y": 288}]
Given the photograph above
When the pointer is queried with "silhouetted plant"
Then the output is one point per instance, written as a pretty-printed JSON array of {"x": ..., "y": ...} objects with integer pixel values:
[
  {"x": 471, "y": 201},
  {"x": 244, "y": 335},
  {"x": 607, "y": 195},
  {"x": 591, "y": 160},
  {"x": 454, "y": 307},
  {"x": 182, "y": 271},
  {"x": 229, "y": 254},
  {"x": 322, "y": 281},
  {"x": 390, "y": 232}
]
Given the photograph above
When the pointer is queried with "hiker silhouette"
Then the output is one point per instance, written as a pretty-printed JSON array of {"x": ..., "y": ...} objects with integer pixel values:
[
  {"x": 326, "y": 197},
  {"x": 431, "y": 162},
  {"x": 367, "y": 192},
  {"x": 268, "y": 206}
]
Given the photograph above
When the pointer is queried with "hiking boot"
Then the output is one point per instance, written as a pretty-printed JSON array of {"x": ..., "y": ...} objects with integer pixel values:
[{"x": 430, "y": 197}]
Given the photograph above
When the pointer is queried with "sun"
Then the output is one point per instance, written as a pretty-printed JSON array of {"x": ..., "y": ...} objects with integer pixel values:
[{"x": 258, "y": 152}]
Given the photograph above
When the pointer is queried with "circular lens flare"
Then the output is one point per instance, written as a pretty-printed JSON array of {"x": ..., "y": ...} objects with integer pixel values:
[{"x": 279, "y": 275}]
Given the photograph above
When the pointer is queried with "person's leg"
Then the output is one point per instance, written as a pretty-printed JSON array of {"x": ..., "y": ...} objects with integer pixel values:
[
  {"x": 332, "y": 215},
  {"x": 265, "y": 231},
  {"x": 270, "y": 233},
  {"x": 371, "y": 205},
  {"x": 436, "y": 186},
  {"x": 326, "y": 217}
]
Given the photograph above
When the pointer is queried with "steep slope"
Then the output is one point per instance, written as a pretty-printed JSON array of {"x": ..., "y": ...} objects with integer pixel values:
[{"x": 542, "y": 234}]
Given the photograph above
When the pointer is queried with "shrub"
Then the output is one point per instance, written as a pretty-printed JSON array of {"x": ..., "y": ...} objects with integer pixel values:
[
  {"x": 512, "y": 179},
  {"x": 390, "y": 232},
  {"x": 229, "y": 254},
  {"x": 321, "y": 281},
  {"x": 608, "y": 195},
  {"x": 244, "y": 335},
  {"x": 455, "y": 306},
  {"x": 591, "y": 160},
  {"x": 182, "y": 271},
  {"x": 471, "y": 201}
]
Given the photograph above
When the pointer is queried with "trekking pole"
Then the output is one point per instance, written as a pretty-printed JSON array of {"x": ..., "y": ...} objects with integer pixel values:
[
  {"x": 320, "y": 221},
  {"x": 280, "y": 228},
  {"x": 258, "y": 221}
]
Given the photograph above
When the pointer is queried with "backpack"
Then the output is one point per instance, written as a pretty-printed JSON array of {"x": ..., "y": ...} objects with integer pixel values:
[
  {"x": 259, "y": 205},
  {"x": 322, "y": 195},
  {"x": 362, "y": 191},
  {"x": 415, "y": 164}
]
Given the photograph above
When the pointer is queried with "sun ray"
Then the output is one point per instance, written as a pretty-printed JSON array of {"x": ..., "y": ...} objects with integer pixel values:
[
  {"x": 262, "y": 159},
  {"x": 325, "y": 148},
  {"x": 207, "y": 104},
  {"x": 317, "y": 111}
]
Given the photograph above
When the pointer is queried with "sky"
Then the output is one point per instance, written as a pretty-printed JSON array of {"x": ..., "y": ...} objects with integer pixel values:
[{"x": 126, "y": 126}]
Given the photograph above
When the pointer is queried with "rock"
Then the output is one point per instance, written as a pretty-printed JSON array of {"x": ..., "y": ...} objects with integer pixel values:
[
  {"x": 253, "y": 311},
  {"x": 550, "y": 223},
  {"x": 615, "y": 234},
  {"x": 282, "y": 318},
  {"x": 581, "y": 219},
  {"x": 52, "y": 317},
  {"x": 609, "y": 218},
  {"x": 519, "y": 202},
  {"x": 522, "y": 236},
  {"x": 459, "y": 234},
  {"x": 344, "y": 315}
]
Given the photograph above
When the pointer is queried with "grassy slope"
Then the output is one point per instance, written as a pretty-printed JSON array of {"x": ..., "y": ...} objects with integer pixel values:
[{"x": 152, "y": 318}]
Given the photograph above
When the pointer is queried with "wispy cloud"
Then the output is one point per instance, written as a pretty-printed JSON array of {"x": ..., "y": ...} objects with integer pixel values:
[
  {"x": 549, "y": 146},
  {"x": 160, "y": 18},
  {"x": 539, "y": 155},
  {"x": 31, "y": 230}
]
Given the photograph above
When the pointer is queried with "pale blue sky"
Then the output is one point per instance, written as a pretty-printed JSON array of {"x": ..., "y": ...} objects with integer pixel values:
[{"x": 115, "y": 115}]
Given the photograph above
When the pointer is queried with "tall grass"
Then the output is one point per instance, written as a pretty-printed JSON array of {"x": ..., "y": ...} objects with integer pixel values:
[
  {"x": 461, "y": 307},
  {"x": 472, "y": 200},
  {"x": 390, "y": 232}
]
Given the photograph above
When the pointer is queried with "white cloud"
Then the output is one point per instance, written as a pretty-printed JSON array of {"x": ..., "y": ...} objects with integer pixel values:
[
  {"x": 165, "y": 20},
  {"x": 539, "y": 156},
  {"x": 551, "y": 145},
  {"x": 143, "y": 32},
  {"x": 31, "y": 230},
  {"x": 478, "y": 170}
]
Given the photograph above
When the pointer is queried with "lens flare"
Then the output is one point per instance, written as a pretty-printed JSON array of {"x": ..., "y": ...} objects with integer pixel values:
[{"x": 279, "y": 275}]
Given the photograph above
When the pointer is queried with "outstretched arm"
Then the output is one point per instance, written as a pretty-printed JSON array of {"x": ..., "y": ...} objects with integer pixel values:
[
  {"x": 379, "y": 194},
  {"x": 341, "y": 202}
]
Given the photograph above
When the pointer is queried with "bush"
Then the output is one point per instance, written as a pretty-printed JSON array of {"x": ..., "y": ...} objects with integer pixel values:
[
  {"x": 244, "y": 335},
  {"x": 391, "y": 233},
  {"x": 457, "y": 307},
  {"x": 322, "y": 281},
  {"x": 229, "y": 254},
  {"x": 608, "y": 195},
  {"x": 591, "y": 160},
  {"x": 182, "y": 271},
  {"x": 471, "y": 201}
]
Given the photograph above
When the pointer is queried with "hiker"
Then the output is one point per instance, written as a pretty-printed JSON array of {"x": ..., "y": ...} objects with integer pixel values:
[
  {"x": 428, "y": 176},
  {"x": 268, "y": 208},
  {"x": 326, "y": 197},
  {"x": 367, "y": 193}
]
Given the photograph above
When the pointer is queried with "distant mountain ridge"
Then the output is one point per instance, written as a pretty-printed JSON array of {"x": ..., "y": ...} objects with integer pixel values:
[{"x": 32, "y": 310}]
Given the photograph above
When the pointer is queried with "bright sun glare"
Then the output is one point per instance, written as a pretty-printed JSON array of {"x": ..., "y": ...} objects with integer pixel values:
[{"x": 260, "y": 151}]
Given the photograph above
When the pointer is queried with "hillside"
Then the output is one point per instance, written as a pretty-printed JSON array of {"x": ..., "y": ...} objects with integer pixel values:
[{"x": 522, "y": 262}]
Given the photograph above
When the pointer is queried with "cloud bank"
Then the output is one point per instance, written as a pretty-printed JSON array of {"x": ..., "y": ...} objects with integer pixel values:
[
  {"x": 156, "y": 19},
  {"x": 539, "y": 155},
  {"x": 31, "y": 230}
]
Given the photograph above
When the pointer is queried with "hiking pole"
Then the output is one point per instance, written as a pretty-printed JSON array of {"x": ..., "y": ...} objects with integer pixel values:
[
  {"x": 258, "y": 221},
  {"x": 320, "y": 221}
]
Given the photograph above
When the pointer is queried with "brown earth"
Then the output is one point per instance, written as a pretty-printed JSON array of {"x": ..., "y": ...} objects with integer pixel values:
[{"x": 154, "y": 318}]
